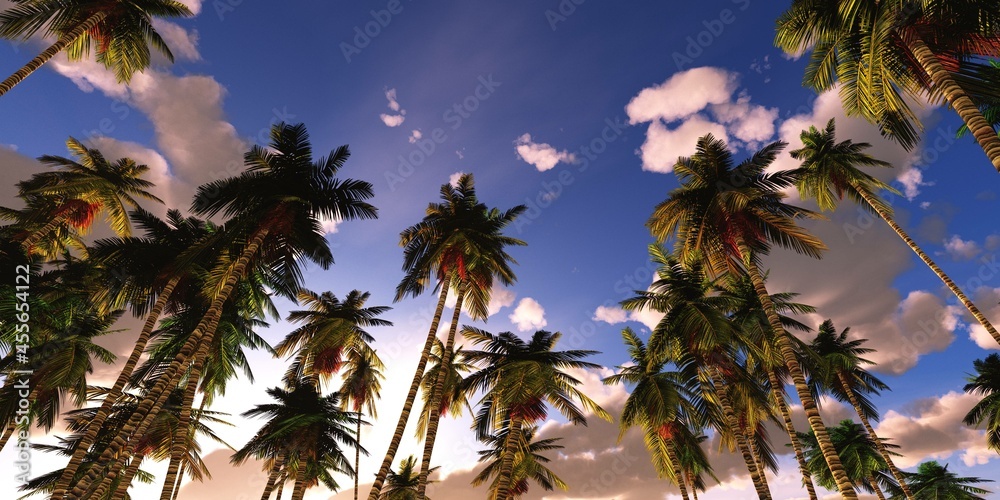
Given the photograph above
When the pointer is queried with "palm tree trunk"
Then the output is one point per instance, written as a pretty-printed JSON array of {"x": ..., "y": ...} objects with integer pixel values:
[
  {"x": 272, "y": 478},
  {"x": 300, "y": 482},
  {"x": 959, "y": 100},
  {"x": 874, "y": 484},
  {"x": 404, "y": 415},
  {"x": 180, "y": 480},
  {"x": 844, "y": 485},
  {"x": 934, "y": 267},
  {"x": 436, "y": 393},
  {"x": 734, "y": 427},
  {"x": 50, "y": 52},
  {"x": 8, "y": 432},
  {"x": 871, "y": 432},
  {"x": 357, "y": 458},
  {"x": 281, "y": 490},
  {"x": 509, "y": 451},
  {"x": 94, "y": 427},
  {"x": 32, "y": 239},
  {"x": 179, "y": 445},
  {"x": 195, "y": 346},
  {"x": 757, "y": 461},
  {"x": 130, "y": 473},
  {"x": 786, "y": 416},
  {"x": 675, "y": 464}
]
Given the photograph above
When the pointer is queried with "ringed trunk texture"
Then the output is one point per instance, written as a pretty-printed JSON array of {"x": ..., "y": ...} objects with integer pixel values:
[
  {"x": 179, "y": 445},
  {"x": 958, "y": 99},
  {"x": 300, "y": 482},
  {"x": 741, "y": 441},
  {"x": 509, "y": 451},
  {"x": 675, "y": 464},
  {"x": 786, "y": 416},
  {"x": 435, "y": 400},
  {"x": 196, "y": 346},
  {"x": 133, "y": 468},
  {"x": 94, "y": 428},
  {"x": 50, "y": 52},
  {"x": 357, "y": 459},
  {"x": 272, "y": 478},
  {"x": 404, "y": 415},
  {"x": 758, "y": 462},
  {"x": 934, "y": 267},
  {"x": 874, "y": 484},
  {"x": 878, "y": 442},
  {"x": 844, "y": 485}
]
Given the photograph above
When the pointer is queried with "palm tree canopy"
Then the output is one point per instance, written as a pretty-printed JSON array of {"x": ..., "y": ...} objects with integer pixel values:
[
  {"x": 986, "y": 383},
  {"x": 529, "y": 463},
  {"x": 402, "y": 484},
  {"x": 858, "y": 454},
  {"x": 842, "y": 357},
  {"x": 934, "y": 481},
  {"x": 121, "y": 40}
]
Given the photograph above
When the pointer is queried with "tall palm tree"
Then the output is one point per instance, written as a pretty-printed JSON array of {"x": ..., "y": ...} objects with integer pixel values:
[
  {"x": 732, "y": 215},
  {"x": 307, "y": 432},
  {"x": 529, "y": 463},
  {"x": 934, "y": 481},
  {"x": 81, "y": 188},
  {"x": 362, "y": 384},
  {"x": 830, "y": 171},
  {"x": 454, "y": 396},
  {"x": 119, "y": 32},
  {"x": 883, "y": 53},
  {"x": 863, "y": 461},
  {"x": 664, "y": 405},
  {"x": 402, "y": 484},
  {"x": 986, "y": 383},
  {"x": 455, "y": 237},
  {"x": 842, "y": 371},
  {"x": 275, "y": 207},
  {"x": 518, "y": 378}
]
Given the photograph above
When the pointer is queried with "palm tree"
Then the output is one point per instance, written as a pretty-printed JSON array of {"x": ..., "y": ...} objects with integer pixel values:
[
  {"x": 830, "y": 171},
  {"x": 402, "y": 485},
  {"x": 454, "y": 396},
  {"x": 305, "y": 433},
  {"x": 80, "y": 189},
  {"x": 362, "y": 378},
  {"x": 883, "y": 53},
  {"x": 694, "y": 465},
  {"x": 864, "y": 463},
  {"x": 275, "y": 207},
  {"x": 664, "y": 405},
  {"x": 458, "y": 239},
  {"x": 732, "y": 215},
  {"x": 841, "y": 370},
  {"x": 529, "y": 463},
  {"x": 518, "y": 378},
  {"x": 932, "y": 481},
  {"x": 120, "y": 32},
  {"x": 986, "y": 382}
]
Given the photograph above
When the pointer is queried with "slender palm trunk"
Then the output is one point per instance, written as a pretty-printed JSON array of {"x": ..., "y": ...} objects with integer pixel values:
[
  {"x": 179, "y": 445},
  {"x": 300, "y": 482},
  {"x": 751, "y": 443},
  {"x": 934, "y": 267},
  {"x": 133, "y": 468},
  {"x": 32, "y": 239},
  {"x": 180, "y": 480},
  {"x": 196, "y": 346},
  {"x": 404, "y": 415},
  {"x": 509, "y": 451},
  {"x": 357, "y": 458},
  {"x": 959, "y": 100},
  {"x": 874, "y": 484},
  {"x": 844, "y": 485},
  {"x": 694, "y": 490},
  {"x": 272, "y": 478},
  {"x": 675, "y": 464},
  {"x": 734, "y": 427},
  {"x": 94, "y": 427},
  {"x": 436, "y": 394},
  {"x": 871, "y": 432},
  {"x": 281, "y": 490},
  {"x": 50, "y": 52},
  {"x": 786, "y": 416}
]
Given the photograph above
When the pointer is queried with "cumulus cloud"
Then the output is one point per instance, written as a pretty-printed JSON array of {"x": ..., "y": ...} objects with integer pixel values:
[
  {"x": 393, "y": 120},
  {"x": 500, "y": 297},
  {"x": 960, "y": 249},
  {"x": 616, "y": 315},
  {"x": 912, "y": 180},
  {"x": 528, "y": 315},
  {"x": 542, "y": 156},
  {"x": 183, "y": 43},
  {"x": 415, "y": 136},
  {"x": 988, "y": 301},
  {"x": 664, "y": 146},
  {"x": 747, "y": 122},
  {"x": 682, "y": 95}
]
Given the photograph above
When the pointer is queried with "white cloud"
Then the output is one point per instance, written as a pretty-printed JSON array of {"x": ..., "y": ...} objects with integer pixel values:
[
  {"x": 749, "y": 123},
  {"x": 682, "y": 95},
  {"x": 663, "y": 146},
  {"x": 415, "y": 136},
  {"x": 610, "y": 315},
  {"x": 988, "y": 301},
  {"x": 912, "y": 180},
  {"x": 329, "y": 226},
  {"x": 542, "y": 156},
  {"x": 393, "y": 120},
  {"x": 960, "y": 249},
  {"x": 453, "y": 178},
  {"x": 528, "y": 315},
  {"x": 183, "y": 43},
  {"x": 500, "y": 297}
]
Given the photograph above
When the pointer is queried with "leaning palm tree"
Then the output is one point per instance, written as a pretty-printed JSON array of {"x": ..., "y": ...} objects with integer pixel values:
[
  {"x": 864, "y": 463},
  {"x": 275, "y": 207},
  {"x": 362, "y": 385},
  {"x": 986, "y": 383},
  {"x": 664, "y": 404},
  {"x": 119, "y": 32},
  {"x": 455, "y": 237},
  {"x": 882, "y": 54},
  {"x": 517, "y": 379},
  {"x": 934, "y": 481},
  {"x": 529, "y": 463},
  {"x": 732, "y": 215},
  {"x": 842, "y": 372},
  {"x": 830, "y": 171}
]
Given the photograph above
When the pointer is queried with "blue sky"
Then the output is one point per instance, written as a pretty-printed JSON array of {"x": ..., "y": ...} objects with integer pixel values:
[{"x": 577, "y": 109}]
